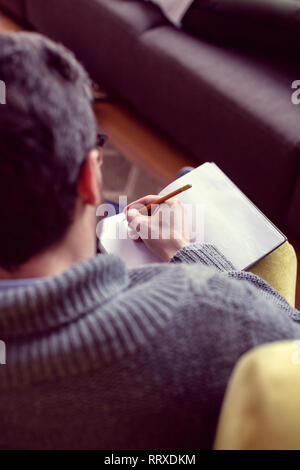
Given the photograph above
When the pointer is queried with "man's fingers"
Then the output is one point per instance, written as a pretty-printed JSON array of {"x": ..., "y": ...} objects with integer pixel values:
[
  {"x": 143, "y": 201},
  {"x": 132, "y": 234},
  {"x": 132, "y": 214},
  {"x": 138, "y": 223}
]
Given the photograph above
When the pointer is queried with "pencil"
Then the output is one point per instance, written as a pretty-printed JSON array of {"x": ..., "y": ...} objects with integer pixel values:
[{"x": 165, "y": 198}]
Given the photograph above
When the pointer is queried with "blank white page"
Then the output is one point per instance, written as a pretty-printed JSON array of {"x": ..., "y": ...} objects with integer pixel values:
[
  {"x": 132, "y": 252},
  {"x": 232, "y": 223}
]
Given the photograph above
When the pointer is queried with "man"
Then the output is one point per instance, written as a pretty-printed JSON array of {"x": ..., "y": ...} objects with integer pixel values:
[{"x": 98, "y": 355}]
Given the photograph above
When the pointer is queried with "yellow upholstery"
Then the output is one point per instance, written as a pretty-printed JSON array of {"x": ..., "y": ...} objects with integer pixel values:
[
  {"x": 279, "y": 269},
  {"x": 261, "y": 409}
]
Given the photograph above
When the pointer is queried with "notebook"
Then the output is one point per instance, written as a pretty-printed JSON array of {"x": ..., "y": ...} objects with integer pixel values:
[{"x": 227, "y": 219}]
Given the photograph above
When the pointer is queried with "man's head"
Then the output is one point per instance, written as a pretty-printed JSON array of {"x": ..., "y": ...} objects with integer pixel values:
[{"x": 48, "y": 168}]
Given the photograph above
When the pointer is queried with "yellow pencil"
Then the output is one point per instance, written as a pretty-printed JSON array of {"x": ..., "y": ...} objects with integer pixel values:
[{"x": 165, "y": 198}]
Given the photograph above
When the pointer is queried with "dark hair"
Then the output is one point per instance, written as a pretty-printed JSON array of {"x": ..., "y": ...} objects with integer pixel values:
[{"x": 47, "y": 127}]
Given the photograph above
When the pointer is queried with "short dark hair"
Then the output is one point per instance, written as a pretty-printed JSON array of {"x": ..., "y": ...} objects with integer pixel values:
[{"x": 47, "y": 128}]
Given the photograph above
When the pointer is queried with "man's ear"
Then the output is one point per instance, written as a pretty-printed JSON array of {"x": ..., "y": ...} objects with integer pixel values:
[{"x": 89, "y": 180}]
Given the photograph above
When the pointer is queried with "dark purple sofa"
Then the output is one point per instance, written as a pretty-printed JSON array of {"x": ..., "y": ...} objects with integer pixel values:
[{"x": 218, "y": 104}]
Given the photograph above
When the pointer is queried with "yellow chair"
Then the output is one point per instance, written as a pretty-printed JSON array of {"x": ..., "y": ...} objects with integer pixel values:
[
  {"x": 261, "y": 408},
  {"x": 279, "y": 269}
]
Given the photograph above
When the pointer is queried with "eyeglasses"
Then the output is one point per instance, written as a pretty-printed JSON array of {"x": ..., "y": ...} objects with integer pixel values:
[{"x": 101, "y": 140}]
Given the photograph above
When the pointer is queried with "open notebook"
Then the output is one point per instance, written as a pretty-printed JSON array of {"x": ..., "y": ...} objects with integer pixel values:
[{"x": 231, "y": 222}]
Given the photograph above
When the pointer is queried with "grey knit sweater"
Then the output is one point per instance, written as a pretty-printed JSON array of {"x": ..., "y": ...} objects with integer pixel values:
[{"x": 110, "y": 358}]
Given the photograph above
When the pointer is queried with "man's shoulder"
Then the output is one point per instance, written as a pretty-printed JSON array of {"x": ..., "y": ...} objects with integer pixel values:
[{"x": 169, "y": 271}]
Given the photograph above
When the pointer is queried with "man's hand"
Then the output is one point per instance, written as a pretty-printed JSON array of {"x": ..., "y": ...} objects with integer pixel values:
[{"x": 164, "y": 231}]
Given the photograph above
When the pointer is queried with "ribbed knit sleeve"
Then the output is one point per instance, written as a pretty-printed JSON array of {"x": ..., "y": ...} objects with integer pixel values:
[
  {"x": 202, "y": 253},
  {"x": 266, "y": 290},
  {"x": 210, "y": 256}
]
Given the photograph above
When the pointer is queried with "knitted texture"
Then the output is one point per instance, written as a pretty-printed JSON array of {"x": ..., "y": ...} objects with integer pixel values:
[{"x": 113, "y": 358}]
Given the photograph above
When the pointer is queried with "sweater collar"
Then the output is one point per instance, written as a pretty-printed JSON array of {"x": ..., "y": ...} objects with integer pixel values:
[{"x": 61, "y": 299}]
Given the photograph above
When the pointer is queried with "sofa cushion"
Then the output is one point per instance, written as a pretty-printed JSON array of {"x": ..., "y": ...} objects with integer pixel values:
[
  {"x": 269, "y": 24},
  {"x": 223, "y": 106},
  {"x": 102, "y": 33}
]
